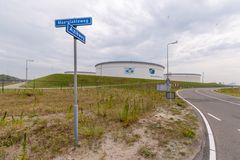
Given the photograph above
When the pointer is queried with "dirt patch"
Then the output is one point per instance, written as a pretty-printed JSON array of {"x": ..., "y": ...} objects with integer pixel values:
[{"x": 143, "y": 140}]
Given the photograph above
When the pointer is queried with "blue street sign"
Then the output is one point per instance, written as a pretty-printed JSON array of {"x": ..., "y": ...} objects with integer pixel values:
[
  {"x": 70, "y": 29},
  {"x": 73, "y": 21}
]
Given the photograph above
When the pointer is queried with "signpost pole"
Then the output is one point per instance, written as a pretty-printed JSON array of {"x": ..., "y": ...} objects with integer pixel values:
[
  {"x": 75, "y": 105},
  {"x": 168, "y": 80},
  {"x": 71, "y": 28},
  {"x": 26, "y": 70}
]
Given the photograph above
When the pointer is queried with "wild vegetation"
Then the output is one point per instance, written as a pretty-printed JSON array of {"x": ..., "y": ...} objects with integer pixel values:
[
  {"x": 37, "y": 124},
  {"x": 230, "y": 91}
]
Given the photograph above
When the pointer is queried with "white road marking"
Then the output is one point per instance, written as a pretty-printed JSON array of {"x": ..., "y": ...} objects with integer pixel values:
[
  {"x": 238, "y": 104},
  {"x": 214, "y": 117},
  {"x": 239, "y": 130},
  {"x": 212, "y": 147}
]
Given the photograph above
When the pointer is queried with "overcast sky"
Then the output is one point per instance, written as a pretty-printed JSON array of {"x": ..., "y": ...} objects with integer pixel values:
[{"x": 208, "y": 32}]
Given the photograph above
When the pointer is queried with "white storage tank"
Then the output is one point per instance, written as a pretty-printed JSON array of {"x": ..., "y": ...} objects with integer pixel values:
[
  {"x": 130, "y": 69},
  {"x": 186, "y": 77}
]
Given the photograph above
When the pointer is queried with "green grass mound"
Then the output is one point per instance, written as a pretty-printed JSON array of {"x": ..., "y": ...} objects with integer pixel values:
[{"x": 66, "y": 80}]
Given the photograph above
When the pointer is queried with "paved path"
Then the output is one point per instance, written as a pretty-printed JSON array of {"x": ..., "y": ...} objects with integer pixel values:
[
  {"x": 223, "y": 115},
  {"x": 14, "y": 86},
  {"x": 18, "y": 86}
]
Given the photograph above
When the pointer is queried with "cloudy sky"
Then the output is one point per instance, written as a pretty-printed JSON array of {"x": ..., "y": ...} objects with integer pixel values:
[{"x": 207, "y": 31}]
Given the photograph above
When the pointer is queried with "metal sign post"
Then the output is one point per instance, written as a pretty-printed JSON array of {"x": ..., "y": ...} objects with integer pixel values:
[
  {"x": 71, "y": 28},
  {"x": 168, "y": 84},
  {"x": 27, "y": 61},
  {"x": 75, "y": 105}
]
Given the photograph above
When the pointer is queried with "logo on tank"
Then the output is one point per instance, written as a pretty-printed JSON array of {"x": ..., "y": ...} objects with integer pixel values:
[
  {"x": 129, "y": 70},
  {"x": 151, "y": 71}
]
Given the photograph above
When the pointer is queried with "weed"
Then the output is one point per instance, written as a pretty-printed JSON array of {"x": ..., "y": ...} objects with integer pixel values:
[
  {"x": 91, "y": 131},
  {"x": 98, "y": 109},
  {"x": 4, "y": 116},
  {"x": 2, "y": 121},
  {"x": 23, "y": 155},
  {"x": 124, "y": 112},
  {"x": 21, "y": 115},
  {"x": 192, "y": 118},
  {"x": 155, "y": 126},
  {"x": 132, "y": 138},
  {"x": 69, "y": 114},
  {"x": 3, "y": 154},
  {"x": 146, "y": 152},
  {"x": 9, "y": 138},
  {"x": 27, "y": 93},
  {"x": 110, "y": 101},
  {"x": 17, "y": 122},
  {"x": 175, "y": 111},
  {"x": 188, "y": 132},
  {"x": 103, "y": 110}
]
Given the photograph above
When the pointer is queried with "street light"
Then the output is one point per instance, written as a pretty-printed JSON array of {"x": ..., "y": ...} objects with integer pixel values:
[
  {"x": 168, "y": 80},
  {"x": 27, "y": 60}
]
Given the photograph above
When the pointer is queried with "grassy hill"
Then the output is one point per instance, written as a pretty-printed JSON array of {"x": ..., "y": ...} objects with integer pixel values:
[
  {"x": 66, "y": 80},
  {"x": 8, "y": 78}
]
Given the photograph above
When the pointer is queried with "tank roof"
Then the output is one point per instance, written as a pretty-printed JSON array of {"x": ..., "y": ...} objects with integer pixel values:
[
  {"x": 139, "y": 62},
  {"x": 195, "y": 74}
]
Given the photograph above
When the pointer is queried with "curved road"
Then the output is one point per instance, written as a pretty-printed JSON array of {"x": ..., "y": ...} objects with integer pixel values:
[{"x": 223, "y": 115}]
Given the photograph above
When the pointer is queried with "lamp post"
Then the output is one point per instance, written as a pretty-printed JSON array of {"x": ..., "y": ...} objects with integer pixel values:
[
  {"x": 27, "y": 60},
  {"x": 168, "y": 80},
  {"x": 203, "y": 77}
]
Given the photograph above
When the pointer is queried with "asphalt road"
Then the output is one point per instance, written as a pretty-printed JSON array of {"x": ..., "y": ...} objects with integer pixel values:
[
  {"x": 14, "y": 86},
  {"x": 223, "y": 115}
]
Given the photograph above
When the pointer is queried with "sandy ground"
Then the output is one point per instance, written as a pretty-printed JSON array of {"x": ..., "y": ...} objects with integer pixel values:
[{"x": 110, "y": 149}]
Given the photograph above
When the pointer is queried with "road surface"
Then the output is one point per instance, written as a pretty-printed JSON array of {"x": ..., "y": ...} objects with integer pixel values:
[
  {"x": 222, "y": 112},
  {"x": 15, "y": 86}
]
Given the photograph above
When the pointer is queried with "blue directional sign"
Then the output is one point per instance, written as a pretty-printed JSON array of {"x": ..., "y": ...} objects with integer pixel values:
[
  {"x": 73, "y": 21},
  {"x": 70, "y": 29}
]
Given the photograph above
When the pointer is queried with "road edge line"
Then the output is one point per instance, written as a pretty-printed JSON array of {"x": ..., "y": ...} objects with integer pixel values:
[{"x": 211, "y": 141}]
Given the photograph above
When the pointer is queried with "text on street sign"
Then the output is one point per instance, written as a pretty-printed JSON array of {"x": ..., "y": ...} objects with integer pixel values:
[
  {"x": 70, "y": 29},
  {"x": 73, "y": 21}
]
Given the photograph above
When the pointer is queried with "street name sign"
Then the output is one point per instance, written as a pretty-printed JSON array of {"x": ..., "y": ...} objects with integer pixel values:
[
  {"x": 70, "y": 29},
  {"x": 73, "y": 21}
]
